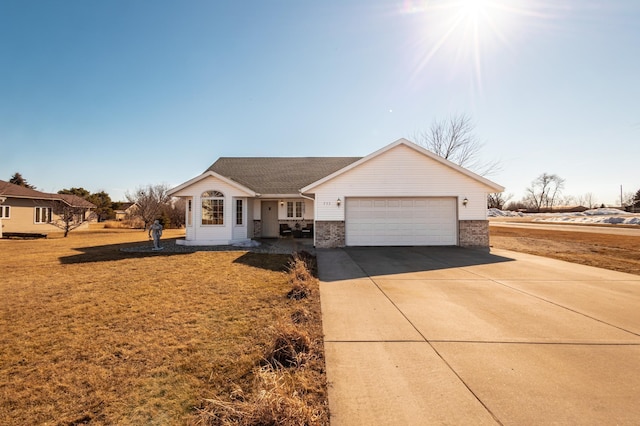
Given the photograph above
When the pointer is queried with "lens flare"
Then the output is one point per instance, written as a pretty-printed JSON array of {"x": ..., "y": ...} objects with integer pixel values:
[{"x": 465, "y": 33}]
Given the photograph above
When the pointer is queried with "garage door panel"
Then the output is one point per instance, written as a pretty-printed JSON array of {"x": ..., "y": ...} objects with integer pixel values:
[{"x": 401, "y": 221}]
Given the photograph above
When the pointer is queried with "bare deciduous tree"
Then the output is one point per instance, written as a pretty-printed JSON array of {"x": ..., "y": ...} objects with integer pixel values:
[
  {"x": 544, "y": 191},
  {"x": 174, "y": 212},
  {"x": 454, "y": 140},
  {"x": 70, "y": 212},
  {"x": 149, "y": 202},
  {"x": 587, "y": 200},
  {"x": 497, "y": 200}
]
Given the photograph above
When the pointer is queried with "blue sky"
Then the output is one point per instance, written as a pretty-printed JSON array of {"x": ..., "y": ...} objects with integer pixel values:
[{"x": 113, "y": 95}]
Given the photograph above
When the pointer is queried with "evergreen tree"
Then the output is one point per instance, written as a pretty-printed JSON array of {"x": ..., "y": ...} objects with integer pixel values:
[
  {"x": 80, "y": 192},
  {"x": 103, "y": 204},
  {"x": 17, "y": 179}
]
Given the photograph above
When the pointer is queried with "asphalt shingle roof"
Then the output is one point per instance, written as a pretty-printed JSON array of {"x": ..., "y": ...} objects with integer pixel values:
[
  {"x": 8, "y": 189},
  {"x": 278, "y": 175}
]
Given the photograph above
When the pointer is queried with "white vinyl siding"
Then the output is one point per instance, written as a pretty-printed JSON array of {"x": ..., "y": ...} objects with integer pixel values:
[
  {"x": 401, "y": 172},
  {"x": 401, "y": 221}
]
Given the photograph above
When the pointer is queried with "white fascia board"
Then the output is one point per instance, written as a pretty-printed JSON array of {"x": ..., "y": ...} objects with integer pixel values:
[
  {"x": 207, "y": 174},
  {"x": 265, "y": 196},
  {"x": 494, "y": 187}
]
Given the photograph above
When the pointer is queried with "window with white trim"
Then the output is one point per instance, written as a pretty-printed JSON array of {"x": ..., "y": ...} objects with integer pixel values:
[
  {"x": 295, "y": 209},
  {"x": 42, "y": 215},
  {"x": 212, "y": 208},
  {"x": 239, "y": 213},
  {"x": 5, "y": 212}
]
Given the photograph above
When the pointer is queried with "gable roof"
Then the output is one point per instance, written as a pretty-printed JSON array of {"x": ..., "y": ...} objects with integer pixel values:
[
  {"x": 272, "y": 176},
  {"x": 494, "y": 186},
  {"x": 278, "y": 175},
  {"x": 8, "y": 189}
]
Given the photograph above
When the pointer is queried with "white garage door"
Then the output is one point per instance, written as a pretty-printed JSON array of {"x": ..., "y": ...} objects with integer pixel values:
[{"x": 401, "y": 222}]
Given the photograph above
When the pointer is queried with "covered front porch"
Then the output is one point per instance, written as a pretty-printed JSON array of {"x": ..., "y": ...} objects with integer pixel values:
[{"x": 283, "y": 218}]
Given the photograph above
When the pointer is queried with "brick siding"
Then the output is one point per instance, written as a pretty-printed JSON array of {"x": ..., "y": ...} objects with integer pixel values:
[
  {"x": 329, "y": 234},
  {"x": 474, "y": 233}
]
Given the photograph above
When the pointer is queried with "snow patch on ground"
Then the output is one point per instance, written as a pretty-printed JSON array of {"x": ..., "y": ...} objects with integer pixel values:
[
  {"x": 604, "y": 215},
  {"x": 247, "y": 244},
  {"x": 505, "y": 213}
]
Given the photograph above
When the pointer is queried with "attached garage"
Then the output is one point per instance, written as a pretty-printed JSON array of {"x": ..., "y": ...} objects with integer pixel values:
[
  {"x": 400, "y": 195},
  {"x": 401, "y": 221}
]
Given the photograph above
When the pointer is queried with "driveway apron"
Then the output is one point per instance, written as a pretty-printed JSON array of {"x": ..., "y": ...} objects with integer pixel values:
[{"x": 425, "y": 335}]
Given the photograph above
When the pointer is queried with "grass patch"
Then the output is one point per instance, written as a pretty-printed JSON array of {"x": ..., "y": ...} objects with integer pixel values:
[
  {"x": 129, "y": 339},
  {"x": 614, "y": 252}
]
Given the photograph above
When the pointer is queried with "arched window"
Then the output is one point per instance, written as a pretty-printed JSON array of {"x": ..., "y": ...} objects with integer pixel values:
[{"x": 212, "y": 208}]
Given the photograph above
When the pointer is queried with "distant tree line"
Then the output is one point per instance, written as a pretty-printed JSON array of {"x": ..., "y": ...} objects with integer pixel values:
[{"x": 545, "y": 194}]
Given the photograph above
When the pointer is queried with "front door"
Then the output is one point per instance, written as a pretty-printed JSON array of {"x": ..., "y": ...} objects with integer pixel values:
[{"x": 269, "y": 215}]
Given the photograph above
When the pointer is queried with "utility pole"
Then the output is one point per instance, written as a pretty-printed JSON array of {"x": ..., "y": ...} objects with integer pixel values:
[{"x": 621, "y": 206}]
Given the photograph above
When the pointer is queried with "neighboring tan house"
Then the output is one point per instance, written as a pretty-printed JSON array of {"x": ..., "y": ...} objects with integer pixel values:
[
  {"x": 27, "y": 211},
  {"x": 125, "y": 211},
  {"x": 400, "y": 195}
]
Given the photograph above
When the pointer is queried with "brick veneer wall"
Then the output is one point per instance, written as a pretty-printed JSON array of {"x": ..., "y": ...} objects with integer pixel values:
[
  {"x": 473, "y": 233},
  {"x": 329, "y": 234}
]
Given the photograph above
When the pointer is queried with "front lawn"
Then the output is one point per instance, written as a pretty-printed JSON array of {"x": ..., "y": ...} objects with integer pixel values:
[{"x": 92, "y": 334}]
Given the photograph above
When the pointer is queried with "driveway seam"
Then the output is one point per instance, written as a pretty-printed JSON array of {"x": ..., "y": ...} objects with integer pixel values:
[
  {"x": 564, "y": 307},
  {"x": 513, "y": 377},
  {"x": 449, "y": 366},
  {"x": 500, "y": 283},
  {"x": 433, "y": 348}
]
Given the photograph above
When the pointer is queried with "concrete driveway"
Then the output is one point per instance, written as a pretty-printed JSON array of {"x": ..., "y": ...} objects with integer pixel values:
[{"x": 425, "y": 335}]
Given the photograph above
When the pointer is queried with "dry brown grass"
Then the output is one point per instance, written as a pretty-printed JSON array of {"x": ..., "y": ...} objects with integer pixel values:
[
  {"x": 615, "y": 252},
  {"x": 94, "y": 334},
  {"x": 289, "y": 386}
]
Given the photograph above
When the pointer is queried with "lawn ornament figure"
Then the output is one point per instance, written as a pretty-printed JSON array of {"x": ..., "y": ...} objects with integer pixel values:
[{"x": 155, "y": 231}]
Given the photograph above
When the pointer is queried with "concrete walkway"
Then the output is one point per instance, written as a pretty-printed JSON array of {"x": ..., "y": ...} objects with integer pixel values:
[{"x": 417, "y": 336}]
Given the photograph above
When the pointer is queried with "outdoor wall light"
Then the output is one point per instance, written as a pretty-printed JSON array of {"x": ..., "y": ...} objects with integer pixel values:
[
  {"x": 281, "y": 203},
  {"x": 465, "y": 201},
  {"x": 338, "y": 201}
]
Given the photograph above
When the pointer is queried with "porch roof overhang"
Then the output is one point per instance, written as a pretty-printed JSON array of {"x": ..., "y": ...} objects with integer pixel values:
[{"x": 279, "y": 196}]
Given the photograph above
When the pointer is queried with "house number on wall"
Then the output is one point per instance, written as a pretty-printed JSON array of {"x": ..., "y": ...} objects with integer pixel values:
[{"x": 326, "y": 203}]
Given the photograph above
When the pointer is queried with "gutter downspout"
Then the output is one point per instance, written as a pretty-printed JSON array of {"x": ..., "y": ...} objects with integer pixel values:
[{"x": 314, "y": 215}]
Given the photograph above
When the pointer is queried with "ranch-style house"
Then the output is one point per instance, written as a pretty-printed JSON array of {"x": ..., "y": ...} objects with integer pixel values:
[
  {"x": 400, "y": 195},
  {"x": 25, "y": 211}
]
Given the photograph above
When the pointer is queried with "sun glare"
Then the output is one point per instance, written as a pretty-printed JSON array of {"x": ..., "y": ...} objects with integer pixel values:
[
  {"x": 467, "y": 32},
  {"x": 473, "y": 8}
]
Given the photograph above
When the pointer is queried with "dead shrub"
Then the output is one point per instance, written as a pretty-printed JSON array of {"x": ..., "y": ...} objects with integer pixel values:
[
  {"x": 300, "y": 275},
  {"x": 276, "y": 401},
  {"x": 300, "y": 316},
  {"x": 290, "y": 346}
]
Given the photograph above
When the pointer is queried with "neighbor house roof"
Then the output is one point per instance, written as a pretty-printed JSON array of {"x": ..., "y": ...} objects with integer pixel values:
[
  {"x": 8, "y": 189},
  {"x": 278, "y": 175}
]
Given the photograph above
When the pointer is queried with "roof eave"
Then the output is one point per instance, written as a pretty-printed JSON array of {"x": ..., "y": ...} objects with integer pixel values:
[{"x": 207, "y": 174}]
